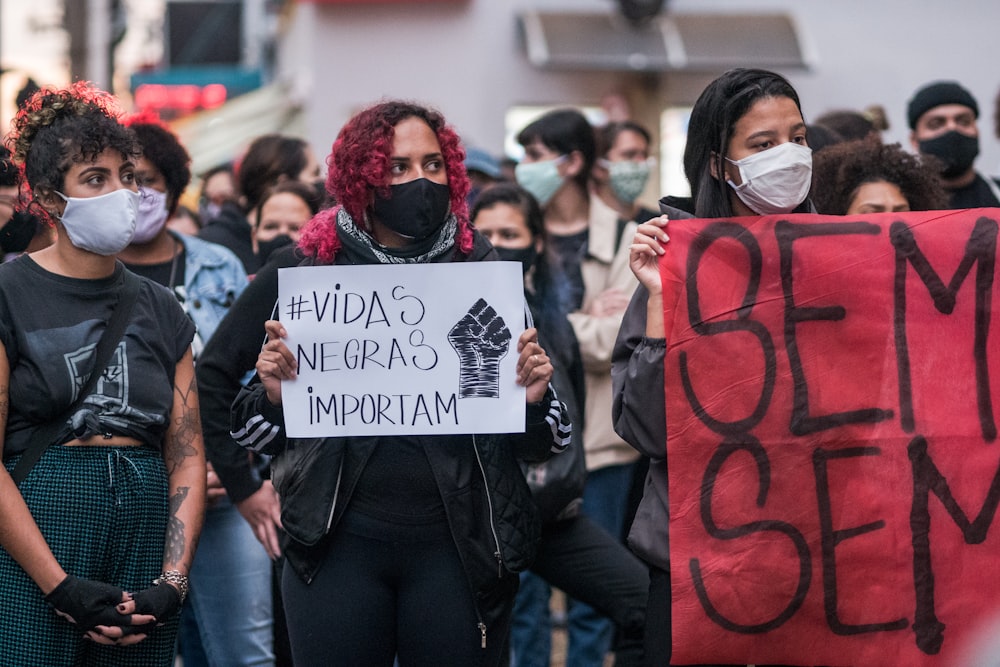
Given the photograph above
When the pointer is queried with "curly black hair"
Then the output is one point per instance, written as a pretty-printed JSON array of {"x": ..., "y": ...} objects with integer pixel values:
[
  {"x": 839, "y": 170},
  {"x": 161, "y": 147},
  {"x": 58, "y": 128},
  {"x": 9, "y": 176}
]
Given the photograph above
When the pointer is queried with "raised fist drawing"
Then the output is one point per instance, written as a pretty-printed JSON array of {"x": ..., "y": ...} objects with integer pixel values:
[{"x": 481, "y": 339}]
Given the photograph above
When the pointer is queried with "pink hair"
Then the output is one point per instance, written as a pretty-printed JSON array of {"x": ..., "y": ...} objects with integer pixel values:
[{"x": 359, "y": 163}]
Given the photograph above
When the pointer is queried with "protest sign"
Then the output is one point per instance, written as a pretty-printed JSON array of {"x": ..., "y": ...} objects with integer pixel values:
[
  {"x": 834, "y": 471},
  {"x": 403, "y": 349}
]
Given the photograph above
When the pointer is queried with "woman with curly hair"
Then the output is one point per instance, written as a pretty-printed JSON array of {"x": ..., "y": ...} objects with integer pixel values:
[
  {"x": 867, "y": 176},
  {"x": 401, "y": 546},
  {"x": 98, "y": 537}
]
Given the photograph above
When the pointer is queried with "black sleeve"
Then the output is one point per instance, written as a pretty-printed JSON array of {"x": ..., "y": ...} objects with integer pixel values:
[
  {"x": 228, "y": 357},
  {"x": 638, "y": 408}
]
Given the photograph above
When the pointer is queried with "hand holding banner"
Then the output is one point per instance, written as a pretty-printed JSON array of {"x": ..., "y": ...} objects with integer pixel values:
[{"x": 403, "y": 349}]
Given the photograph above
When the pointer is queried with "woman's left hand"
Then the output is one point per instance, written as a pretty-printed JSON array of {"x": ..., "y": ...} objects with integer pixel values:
[{"x": 534, "y": 368}]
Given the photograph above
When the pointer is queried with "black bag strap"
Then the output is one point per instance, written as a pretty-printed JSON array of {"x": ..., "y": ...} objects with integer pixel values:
[{"x": 46, "y": 433}]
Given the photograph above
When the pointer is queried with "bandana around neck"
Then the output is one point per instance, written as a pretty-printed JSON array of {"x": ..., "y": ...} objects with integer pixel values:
[{"x": 361, "y": 243}]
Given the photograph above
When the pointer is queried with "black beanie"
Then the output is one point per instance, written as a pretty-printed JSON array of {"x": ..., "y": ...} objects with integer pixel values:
[{"x": 936, "y": 94}]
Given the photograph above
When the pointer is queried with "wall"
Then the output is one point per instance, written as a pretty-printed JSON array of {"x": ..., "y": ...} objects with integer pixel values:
[{"x": 465, "y": 58}]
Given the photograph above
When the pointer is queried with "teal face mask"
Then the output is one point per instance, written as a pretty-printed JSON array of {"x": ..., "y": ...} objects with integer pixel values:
[
  {"x": 541, "y": 179},
  {"x": 628, "y": 179}
]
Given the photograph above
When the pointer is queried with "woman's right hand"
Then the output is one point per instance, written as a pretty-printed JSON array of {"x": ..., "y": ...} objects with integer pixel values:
[
  {"x": 92, "y": 607},
  {"x": 645, "y": 252},
  {"x": 275, "y": 361}
]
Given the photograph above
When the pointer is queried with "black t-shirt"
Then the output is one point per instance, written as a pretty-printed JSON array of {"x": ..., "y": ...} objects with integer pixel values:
[
  {"x": 566, "y": 254},
  {"x": 170, "y": 273},
  {"x": 50, "y": 325},
  {"x": 397, "y": 484}
]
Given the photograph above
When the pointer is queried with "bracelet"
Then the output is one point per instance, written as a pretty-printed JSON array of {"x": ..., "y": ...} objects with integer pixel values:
[{"x": 177, "y": 579}]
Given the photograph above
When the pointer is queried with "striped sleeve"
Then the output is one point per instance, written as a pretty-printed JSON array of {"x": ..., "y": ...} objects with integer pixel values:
[
  {"x": 557, "y": 417},
  {"x": 255, "y": 423}
]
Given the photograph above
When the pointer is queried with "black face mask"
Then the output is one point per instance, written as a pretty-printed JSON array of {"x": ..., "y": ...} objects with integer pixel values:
[
  {"x": 18, "y": 232},
  {"x": 265, "y": 248},
  {"x": 526, "y": 256},
  {"x": 415, "y": 210},
  {"x": 955, "y": 150}
]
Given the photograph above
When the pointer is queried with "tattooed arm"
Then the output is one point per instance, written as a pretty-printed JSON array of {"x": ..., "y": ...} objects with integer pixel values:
[{"x": 184, "y": 455}]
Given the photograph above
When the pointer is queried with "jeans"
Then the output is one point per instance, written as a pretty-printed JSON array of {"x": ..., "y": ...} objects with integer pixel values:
[
  {"x": 531, "y": 626},
  {"x": 586, "y": 562},
  {"x": 228, "y": 617},
  {"x": 605, "y": 498}
]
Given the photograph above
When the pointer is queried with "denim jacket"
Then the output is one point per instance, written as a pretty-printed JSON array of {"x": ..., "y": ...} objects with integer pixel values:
[{"x": 213, "y": 279}]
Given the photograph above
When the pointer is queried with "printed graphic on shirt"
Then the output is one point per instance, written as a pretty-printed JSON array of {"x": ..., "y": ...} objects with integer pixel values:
[{"x": 108, "y": 407}]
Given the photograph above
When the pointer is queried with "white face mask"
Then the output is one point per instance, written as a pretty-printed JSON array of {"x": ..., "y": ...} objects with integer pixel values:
[
  {"x": 776, "y": 180},
  {"x": 103, "y": 225},
  {"x": 152, "y": 215}
]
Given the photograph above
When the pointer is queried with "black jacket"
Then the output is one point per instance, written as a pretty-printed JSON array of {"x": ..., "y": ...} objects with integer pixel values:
[
  {"x": 315, "y": 478},
  {"x": 231, "y": 229},
  {"x": 227, "y": 359},
  {"x": 490, "y": 511}
]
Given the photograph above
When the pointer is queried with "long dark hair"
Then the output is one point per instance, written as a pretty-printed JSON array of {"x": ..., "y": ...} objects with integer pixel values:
[{"x": 713, "y": 119}]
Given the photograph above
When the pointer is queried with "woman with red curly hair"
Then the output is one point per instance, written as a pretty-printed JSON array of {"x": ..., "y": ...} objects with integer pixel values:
[
  {"x": 102, "y": 491},
  {"x": 361, "y": 172},
  {"x": 401, "y": 546}
]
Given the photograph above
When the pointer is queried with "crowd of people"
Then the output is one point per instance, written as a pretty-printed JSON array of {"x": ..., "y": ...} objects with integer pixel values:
[{"x": 153, "y": 506}]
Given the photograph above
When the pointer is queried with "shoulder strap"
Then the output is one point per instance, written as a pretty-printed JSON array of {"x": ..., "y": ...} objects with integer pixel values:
[{"x": 46, "y": 433}]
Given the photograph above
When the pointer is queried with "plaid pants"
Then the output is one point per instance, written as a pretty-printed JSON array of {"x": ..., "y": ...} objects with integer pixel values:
[{"x": 103, "y": 512}]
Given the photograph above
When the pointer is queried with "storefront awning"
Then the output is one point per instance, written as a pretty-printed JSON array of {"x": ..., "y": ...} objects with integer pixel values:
[{"x": 219, "y": 135}]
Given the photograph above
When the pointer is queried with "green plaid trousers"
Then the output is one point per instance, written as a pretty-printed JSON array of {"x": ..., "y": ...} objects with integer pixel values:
[{"x": 103, "y": 511}]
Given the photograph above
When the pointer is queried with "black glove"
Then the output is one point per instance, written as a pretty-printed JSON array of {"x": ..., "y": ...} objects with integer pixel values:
[
  {"x": 86, "y": 603},
  {"x": 160, "y": 600}
]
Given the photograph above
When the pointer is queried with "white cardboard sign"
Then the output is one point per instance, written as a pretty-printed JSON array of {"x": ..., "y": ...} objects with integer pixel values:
[{"x": 408, "y": 349}]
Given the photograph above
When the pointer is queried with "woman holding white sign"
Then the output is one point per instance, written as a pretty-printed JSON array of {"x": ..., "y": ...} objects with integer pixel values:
[
  {"x": 746, "y": 155},
  {"x": 400, "y": 545}
]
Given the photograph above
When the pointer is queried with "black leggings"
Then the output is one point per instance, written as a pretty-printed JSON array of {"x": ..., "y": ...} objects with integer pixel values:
[{"x": 384, "y": 590}]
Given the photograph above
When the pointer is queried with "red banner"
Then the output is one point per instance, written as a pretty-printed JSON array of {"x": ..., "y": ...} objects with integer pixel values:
[{"x": 834, "y": 469}]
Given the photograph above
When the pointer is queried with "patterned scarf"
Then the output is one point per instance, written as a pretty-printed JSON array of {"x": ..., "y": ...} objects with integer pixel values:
[{"x": 359, "y": 242}]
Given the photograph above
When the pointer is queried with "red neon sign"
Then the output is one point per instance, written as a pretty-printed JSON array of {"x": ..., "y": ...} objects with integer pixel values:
[{"x": 180, "y": 97}]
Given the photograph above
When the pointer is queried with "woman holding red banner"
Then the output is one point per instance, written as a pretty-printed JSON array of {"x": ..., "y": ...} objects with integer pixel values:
[
  {"x": 401, "y": 545},
  {"x": 746, "y": 155}
]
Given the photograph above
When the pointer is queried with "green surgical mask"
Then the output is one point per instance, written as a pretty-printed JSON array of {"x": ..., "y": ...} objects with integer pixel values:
[
  {"x": 541, "y": 179},
  {"x": 628, "y": 178}
]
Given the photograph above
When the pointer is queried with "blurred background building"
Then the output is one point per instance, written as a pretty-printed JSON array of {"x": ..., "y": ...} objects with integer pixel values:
[{"x": 224, "y": 71}]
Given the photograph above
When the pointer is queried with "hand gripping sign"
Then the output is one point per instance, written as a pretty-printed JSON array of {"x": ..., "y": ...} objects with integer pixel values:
[
  {"x": 403, "y": 349},
  {"x": 834, "y": 469}
]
